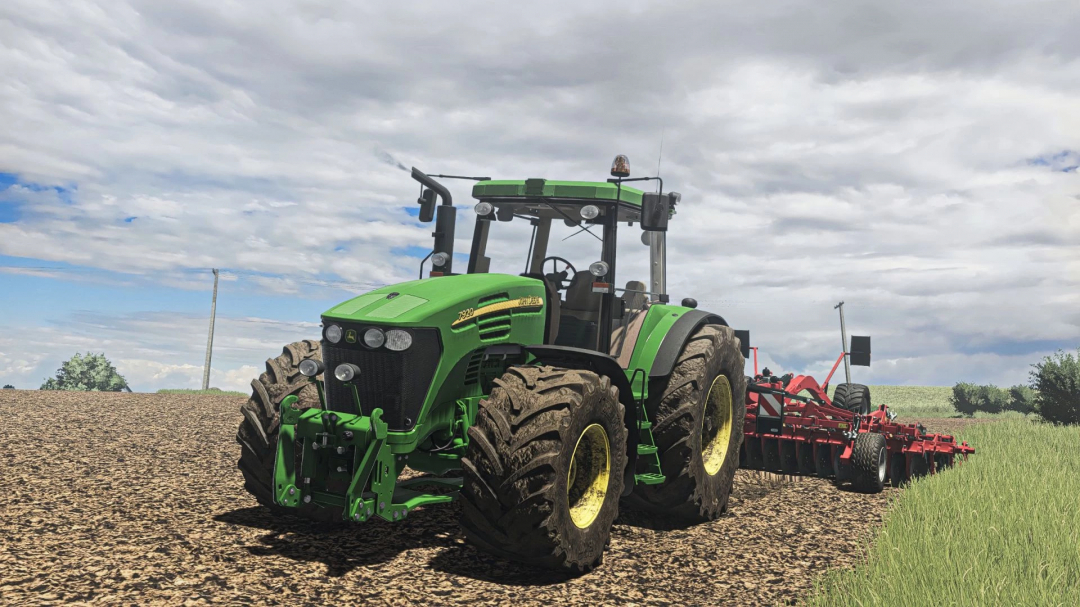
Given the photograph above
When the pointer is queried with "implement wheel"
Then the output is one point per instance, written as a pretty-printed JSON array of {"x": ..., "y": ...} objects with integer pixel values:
[
  {"x": 869, "y": 458},
  {"x": 544, "y": 468},
  {"x": 258, "y": 433},
  {"x": 853, "y": 397},
  {"x": 698, "y": 427}
]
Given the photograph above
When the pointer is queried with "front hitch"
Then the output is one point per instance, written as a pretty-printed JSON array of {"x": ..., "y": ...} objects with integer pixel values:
[{"x": 336, "y": 445}]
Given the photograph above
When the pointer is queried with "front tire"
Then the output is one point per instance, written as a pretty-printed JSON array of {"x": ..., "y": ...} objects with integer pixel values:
[
  {"x": 544, "y": 468},
  {"x": 698, "y": 428},
  {"x": 258, "y": 432}
]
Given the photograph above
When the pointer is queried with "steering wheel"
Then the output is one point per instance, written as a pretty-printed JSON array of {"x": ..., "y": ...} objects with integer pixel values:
[{"x": 556, "y": 276}]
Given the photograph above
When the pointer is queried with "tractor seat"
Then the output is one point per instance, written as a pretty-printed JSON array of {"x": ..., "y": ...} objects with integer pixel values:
[
  {"x": 581, "y": 302},
  {"x": 635, "y": 297},
  {"x": 580, "y": 314}
]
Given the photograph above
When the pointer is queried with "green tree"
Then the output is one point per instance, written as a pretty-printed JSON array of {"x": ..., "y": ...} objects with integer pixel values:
[
  {"x": 9, "y": 387},
  {"x": 965, "y": 398},
  {"x": 1056, "y": 381},
  {"x": 1022, "y": 399},
  {"x": 92, "y": 372},
  {"x": 991, "y": 399}
]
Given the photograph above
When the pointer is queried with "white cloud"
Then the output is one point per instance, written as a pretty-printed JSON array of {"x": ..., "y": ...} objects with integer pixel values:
[
  {"x": 151, "y": 350},
  {"x": 911, "y": 159}
]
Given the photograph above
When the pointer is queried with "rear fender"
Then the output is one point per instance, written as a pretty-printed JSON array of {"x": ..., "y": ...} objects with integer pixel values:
[{"x": 665, "y": 330}]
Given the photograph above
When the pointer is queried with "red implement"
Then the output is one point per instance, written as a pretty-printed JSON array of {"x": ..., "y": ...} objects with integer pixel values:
[{"x": 792, "y": 427}]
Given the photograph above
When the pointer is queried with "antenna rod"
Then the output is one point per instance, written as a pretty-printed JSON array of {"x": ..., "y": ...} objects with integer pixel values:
[
  {"x": 462, "y": 177},
  {"x": 658, "y": 158},
  {"x": 210, "y": 337},
  {"x": 843, "y": 338}
]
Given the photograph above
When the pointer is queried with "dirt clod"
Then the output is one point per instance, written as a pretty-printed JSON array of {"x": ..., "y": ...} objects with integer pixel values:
[{"x": 136, "y": 499}]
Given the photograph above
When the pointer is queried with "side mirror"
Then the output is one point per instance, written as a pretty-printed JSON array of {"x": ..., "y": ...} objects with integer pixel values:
[
  {"x": 427, "y": 205},
  {"x": 654, "y": 212}
]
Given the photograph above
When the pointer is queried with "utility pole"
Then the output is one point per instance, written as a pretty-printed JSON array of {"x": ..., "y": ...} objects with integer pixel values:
[
  {"x": 843, "y": 339},
  {"x": 210, "y": 338}
]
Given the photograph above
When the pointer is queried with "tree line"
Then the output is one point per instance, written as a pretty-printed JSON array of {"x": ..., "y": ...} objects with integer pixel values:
[{"x": 1053, "y": 392}]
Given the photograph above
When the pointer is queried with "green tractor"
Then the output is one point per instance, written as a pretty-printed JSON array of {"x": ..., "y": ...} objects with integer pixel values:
[{"x": 540, "y": 400}]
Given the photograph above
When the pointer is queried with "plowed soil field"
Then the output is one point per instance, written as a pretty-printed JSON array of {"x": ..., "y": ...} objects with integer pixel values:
[{"x": 135, "y": 499}]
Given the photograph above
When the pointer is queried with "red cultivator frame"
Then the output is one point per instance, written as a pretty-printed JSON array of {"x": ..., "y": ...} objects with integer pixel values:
[{"x": 793, "y": 427}]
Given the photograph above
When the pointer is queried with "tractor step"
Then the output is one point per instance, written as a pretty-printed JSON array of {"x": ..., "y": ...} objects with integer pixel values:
[
  {"x": 646, "y": 449},
  {"x": 650, "y": 479},
  {"x": 644, "y": 425}
]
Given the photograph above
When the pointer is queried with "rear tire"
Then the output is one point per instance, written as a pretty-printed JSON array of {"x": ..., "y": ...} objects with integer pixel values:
[
  {"x": 258, "y": 432},
  {"x": 544, "y": 468},
  {"x": 869, "y": 457},
  {"x": 698, "y": 428},
  {"x": 853, "y": 397}
]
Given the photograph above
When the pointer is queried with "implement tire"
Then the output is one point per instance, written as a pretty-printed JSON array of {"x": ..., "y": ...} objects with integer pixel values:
[
  {"x": 869, "y": 457},
  {"x": 853, "y": 397},
  {"x": 698, "y": 428},
  {"x": 544, "y": 468},
  {"x": 258, "y": 432}
]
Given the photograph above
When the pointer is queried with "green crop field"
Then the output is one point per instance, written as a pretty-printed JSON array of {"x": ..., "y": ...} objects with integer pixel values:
[
  {"x": 913, "y": 402},
  {"x": 1002, "y": 529}
]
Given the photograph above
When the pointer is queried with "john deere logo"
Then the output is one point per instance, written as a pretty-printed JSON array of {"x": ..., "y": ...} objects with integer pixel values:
[
  {"x": 529, "y": 301},
  {"x": 350, "y": 336}
]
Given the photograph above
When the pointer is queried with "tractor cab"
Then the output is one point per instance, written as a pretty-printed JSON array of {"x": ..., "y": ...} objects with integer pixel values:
[{"x": 585, "y": 308}]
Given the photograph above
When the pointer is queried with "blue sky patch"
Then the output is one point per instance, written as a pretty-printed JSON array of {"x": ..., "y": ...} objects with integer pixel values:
[
  {"x": 130, "y": 219},
  {"x": 1065, "y": 161},
  {"x": 9, "y": 212},
  {"x": 411, "y": 251}
]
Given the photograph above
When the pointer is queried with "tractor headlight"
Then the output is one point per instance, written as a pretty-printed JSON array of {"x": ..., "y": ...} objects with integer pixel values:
[
  {"x": 483, "y": 209},
  {"x": 373, "y": 338},
  {"x": 398, "y": 340},
  {"x": 589, "y": 211},
  {"x": 439, "y": 259},
  {"x": 598, "y": 269},
  {"x": 333, "y": 334},
  {"x": 309, "y": 367},
  {"x": 346, "y": 372}
]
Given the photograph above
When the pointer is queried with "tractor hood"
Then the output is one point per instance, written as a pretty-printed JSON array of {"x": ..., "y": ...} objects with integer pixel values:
[{"x": 417, "y": 302}]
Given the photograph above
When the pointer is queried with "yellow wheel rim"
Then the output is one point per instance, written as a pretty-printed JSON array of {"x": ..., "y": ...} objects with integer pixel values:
[
  {"x": 716, "y": 425},
  {"x": 587, "y": 480}
]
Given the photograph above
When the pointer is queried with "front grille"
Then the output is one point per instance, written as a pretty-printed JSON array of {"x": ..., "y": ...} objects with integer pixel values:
[{"x": 396, "y": 382}]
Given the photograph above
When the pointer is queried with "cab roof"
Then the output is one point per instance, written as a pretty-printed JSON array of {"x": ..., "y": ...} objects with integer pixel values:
[{"x": 563, "y": 190}]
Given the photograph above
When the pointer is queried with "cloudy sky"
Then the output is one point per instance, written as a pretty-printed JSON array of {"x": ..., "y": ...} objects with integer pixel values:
[{"x": 917, "y": 160}]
